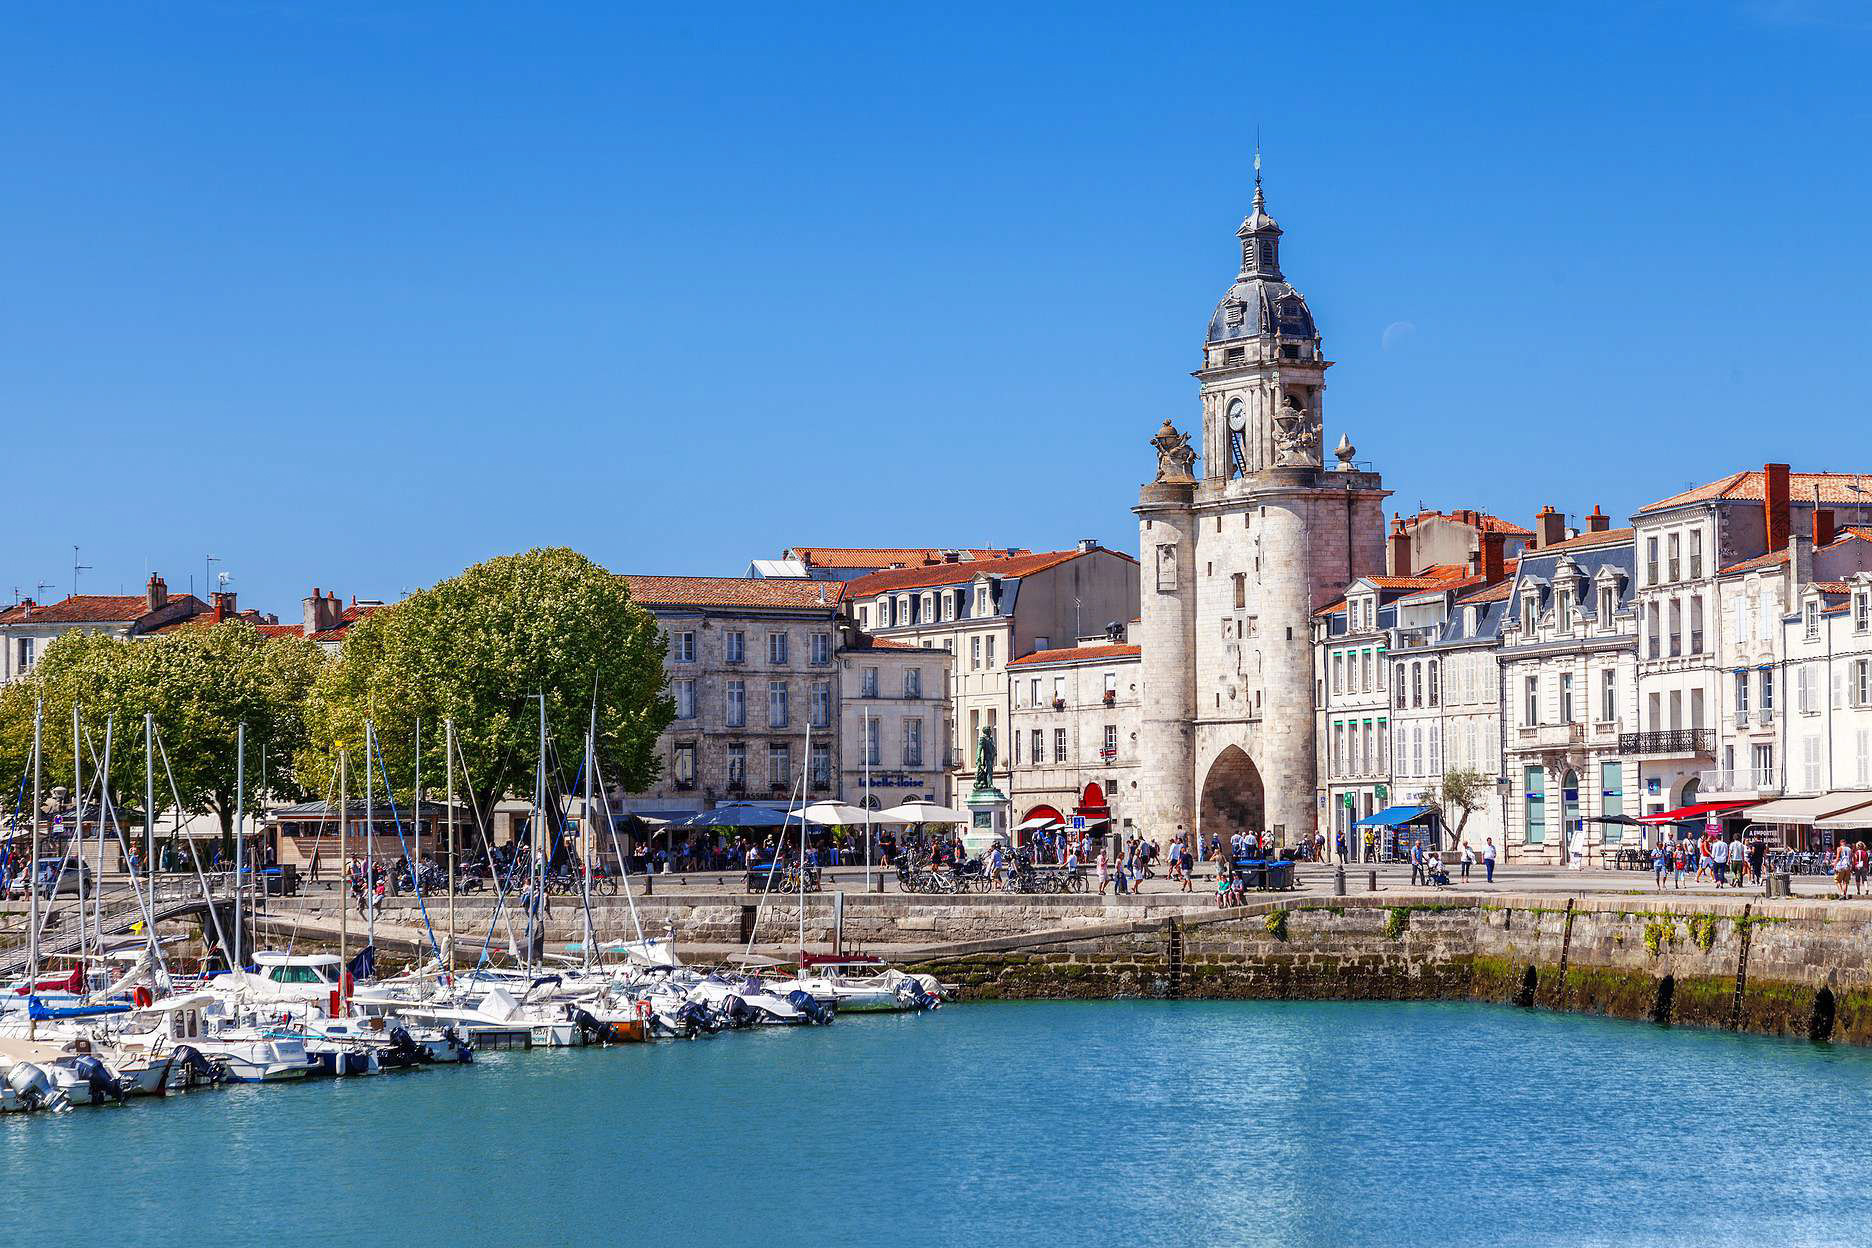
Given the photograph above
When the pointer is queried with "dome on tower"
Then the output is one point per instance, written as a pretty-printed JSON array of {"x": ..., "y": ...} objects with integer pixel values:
[{"x": 1261, "y": 303}]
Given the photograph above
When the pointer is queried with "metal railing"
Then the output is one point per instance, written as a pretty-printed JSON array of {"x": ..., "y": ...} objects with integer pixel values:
[{"x": 1669, "y": 741}]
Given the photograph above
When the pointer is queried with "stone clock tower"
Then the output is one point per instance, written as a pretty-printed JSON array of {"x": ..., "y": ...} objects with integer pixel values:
[{"x": 1236, "y": 556}]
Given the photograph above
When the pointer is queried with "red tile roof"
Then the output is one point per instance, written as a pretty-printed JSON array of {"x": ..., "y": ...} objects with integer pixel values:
[
  {"x": 93, "y": 609},
  {"x": 1076, "y": 654},
  {"x": 1773, "y": 558},
  {"x": 1481, "y": 521},
  {"x": 1498, "y": 592},
  {"x": 962, "y": 573},
  {"x": 1587, "y": 541},
  {"x": 352, "y": 614},
  {"x": 728, "y": 591},
  {"x": 891, "y": 556},
  {"x": 1747, "y": 487}
]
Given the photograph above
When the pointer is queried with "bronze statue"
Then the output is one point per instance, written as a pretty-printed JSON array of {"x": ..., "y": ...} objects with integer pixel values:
[{"x": 985, "y": 761}]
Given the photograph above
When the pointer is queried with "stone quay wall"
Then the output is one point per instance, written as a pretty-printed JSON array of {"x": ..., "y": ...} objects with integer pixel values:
[{"x": 1778, "y": 968}]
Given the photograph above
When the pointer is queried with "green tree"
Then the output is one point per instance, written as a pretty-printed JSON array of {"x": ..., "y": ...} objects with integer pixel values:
[
  {"x": 477, "y": 648},
  {"x": 199, "y": 683},
  {"x": 1464, "y": 792}
]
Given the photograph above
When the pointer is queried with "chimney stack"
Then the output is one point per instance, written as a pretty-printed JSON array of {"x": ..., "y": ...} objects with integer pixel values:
[
  {"x": 156, "y": 593},
  {"x": 1823, "y": 530},
  {"x": 221, "y": 604},
  {"x": 1597, "y": 521},
  {"x": 1775, "y": 518},
  {"x": 1400, "y": 548},
  {"x": 1494, "y": 562},
  {"x": 1549, "y": 528}
]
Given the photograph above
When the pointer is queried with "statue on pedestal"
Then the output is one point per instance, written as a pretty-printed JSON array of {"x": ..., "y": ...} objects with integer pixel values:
[
  {"x": 985, "y": 762},
  {"x": 1296, "y": 436},
  {"x": 1176, "y": 458}
]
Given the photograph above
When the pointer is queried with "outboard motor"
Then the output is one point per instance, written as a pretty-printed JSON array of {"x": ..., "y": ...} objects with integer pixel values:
[
  {"x": 197, "y": 1067},
  {"x": 915, "y": 996},
  {"x": 593, "y": 1030},
  {"x": 404, "y": 1051},
  {"x": 692, "y": 1019},
  {"x": 809, "y": 1007},
  {"x": 463, "y": 1050},
  {"x": 35, "y": 1089},
  {"x": 734, "y": 1012},
  {"x": 104, "y": 1085}
]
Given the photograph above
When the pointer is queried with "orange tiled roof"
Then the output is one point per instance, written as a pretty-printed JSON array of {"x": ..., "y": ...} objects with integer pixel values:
[
  {"x": 1074, "y": 654},
  {"x": 1773, "y": 558},
  {"x": 728, "y": 591},
  {"x": 890, "y": 556},
  {"x": 1481, "y": 521},
  {"x": 1586, "y": 541},
  {"x": 1500, "y": 591},
  {"x": 1748, "y": 487},
  {"x": 93, "y": 609},
  {"x": 352, "y": 614},
  {"x": 961, "y": 573}
]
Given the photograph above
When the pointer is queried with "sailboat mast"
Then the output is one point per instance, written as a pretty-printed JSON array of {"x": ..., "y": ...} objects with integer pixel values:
[
  {"x": 585, "y": 841},
  {"x": 78, "y": 817},
  {"x": 32, "y": 880},
  {"x": 344, "y": 865},
  {"x": 416, "y": 866},
  {"x": 149, "y": 801},
  {"x": 448, "y": 766},
  {"x": 805, "y": 775},
  {"x": 105, "y": 810},
  {"x": 240, "y": 837},
  {"x": 370, "y": 835},
  {"x": 866, "y": 747},
  {"x": 541, "y": 846}
]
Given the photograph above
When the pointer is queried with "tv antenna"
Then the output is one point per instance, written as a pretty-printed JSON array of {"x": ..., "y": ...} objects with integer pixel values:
[{"x": 77, "y": 568}]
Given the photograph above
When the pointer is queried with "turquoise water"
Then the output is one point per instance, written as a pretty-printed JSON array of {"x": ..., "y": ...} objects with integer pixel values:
[{"x": 1057, "y": 1124}]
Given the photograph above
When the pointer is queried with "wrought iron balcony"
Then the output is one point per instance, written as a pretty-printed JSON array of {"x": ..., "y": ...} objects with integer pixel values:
[{"x": 1669, "y": 742}]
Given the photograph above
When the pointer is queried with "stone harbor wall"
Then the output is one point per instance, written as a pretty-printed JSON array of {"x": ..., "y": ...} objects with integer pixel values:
[{"x": 1780, "y": 968}]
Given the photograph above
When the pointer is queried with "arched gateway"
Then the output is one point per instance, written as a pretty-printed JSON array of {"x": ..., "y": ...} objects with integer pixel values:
[{"x": 1232, "y": 797}]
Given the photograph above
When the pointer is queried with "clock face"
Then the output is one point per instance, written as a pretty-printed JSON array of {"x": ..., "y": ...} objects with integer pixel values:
[{"x": 1237, "y": 416}]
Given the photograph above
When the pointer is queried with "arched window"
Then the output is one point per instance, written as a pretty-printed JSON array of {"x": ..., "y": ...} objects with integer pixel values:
[{"x": 1416, "y": 684}]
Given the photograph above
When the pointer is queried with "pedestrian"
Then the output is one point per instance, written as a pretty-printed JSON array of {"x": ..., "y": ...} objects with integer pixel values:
[
  {"x": 1488, "y": 859},
  {"x": 1104, "y": 869},
  {"x": 1680, "y": 860},
  {"x": 1660, "y": 865},
  {"x": 1416, "y": 864},
  {"x": 1842, "y": 869},
  {"x": 1189, "y": 866},
  {"x": 1468, "y": 859},
  {"x": 1719, "y": 861},
  {"x": 1860, "y": 863}
]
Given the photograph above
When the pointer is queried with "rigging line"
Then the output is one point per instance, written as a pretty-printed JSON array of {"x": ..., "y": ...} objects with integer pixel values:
[
  {"x": 214, "y": 913},
  {"x": 604, "y": 799},
  {"x": 292, "y": 935},
  {"x": 773, "y": 867},
  {"x": 498, "y": 917},
  {"x": 415, "y": 872},
  {"x": 148, "y": 912}
]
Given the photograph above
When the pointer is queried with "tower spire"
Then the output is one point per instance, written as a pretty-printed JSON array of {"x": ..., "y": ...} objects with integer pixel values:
[{"x": 1260, "y": 203}]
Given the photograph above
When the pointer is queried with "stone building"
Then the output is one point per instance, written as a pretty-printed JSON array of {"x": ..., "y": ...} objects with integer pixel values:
[
  {"x": 28, "y": 627},
  {"x": 1073, "y": 744},
  {"x": 1827, "y": 649},
  {"x": 987, "y": 612},
  {"x": 1235, "y": 563},
  {"x": 848, "y": 563},
  {"x": 1568, "y": 678},
  {"x": 893, "y": 720},
  {"x": 752, "y": 665},
  {"x": 1694, "y": 658}
]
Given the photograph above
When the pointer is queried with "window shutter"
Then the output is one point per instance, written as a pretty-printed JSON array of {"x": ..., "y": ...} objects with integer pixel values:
[{"x": 1839, "y": 689}]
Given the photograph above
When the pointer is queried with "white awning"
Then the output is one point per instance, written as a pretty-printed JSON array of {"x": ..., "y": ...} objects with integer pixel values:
[
  {"x": 1855, "y": 816},
  {"x": 1789, "y": 810}
]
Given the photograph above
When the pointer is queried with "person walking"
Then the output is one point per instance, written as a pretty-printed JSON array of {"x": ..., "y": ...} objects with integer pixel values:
[
  {"x": 1488, "y": 859},
  {"x": 1660, "y": 865},
  {"x": 1104, "y": 870},
  {"x": 1719, "y": 861},
  {"x": 1189, "y": 866},
  {"x": 1861, "y": 861},
  {"x": 1416, "y": 863},
  {"x": 1680, "y": 858},
  {"x": 1842, "y": 869},
  {"x": 1468, "y": 860}
]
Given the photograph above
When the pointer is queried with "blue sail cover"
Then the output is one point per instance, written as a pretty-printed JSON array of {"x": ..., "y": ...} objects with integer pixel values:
[{"x": 40, "y": 1012}]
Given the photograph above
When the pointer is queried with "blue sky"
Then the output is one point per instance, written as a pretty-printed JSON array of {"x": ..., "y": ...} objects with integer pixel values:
[{"x": 356, "y": 294}]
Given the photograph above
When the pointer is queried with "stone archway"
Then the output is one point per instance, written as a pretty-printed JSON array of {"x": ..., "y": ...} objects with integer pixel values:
[{"x": 1233, "y": 799}]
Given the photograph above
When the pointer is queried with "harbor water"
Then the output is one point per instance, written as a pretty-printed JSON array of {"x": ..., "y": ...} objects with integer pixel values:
[{"x": 1058, "y": 1124}]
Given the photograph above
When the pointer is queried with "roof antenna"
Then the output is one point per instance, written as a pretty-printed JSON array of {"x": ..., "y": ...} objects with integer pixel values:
[
  {"x": 85, "y": 567},
  {"x": 1259, "y": 202}
]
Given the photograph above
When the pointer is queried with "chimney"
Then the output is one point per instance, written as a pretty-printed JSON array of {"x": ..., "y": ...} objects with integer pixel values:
[
  {"x": 1823, "y": 530},
  {"x": 1775, "y": 506},
  {"x": 1549, "y": 528},
  {"x": 1800, "y": 565},
  {"x": 309, "y": 612},
  {"x": 1398, "y": 557},
  {"x": 1597, "y": 521},
  {"x": 221, "y": 603},
  {"x": 156, "y": 593},
  {"x": 1494, "y": 562}
]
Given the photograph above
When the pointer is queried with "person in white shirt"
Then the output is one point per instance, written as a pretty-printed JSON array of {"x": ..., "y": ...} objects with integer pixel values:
[
  {"x": 1488, "y": 859},
  {"x": 1468, "y": 859},
  {"x": 1719, "y": 861}
]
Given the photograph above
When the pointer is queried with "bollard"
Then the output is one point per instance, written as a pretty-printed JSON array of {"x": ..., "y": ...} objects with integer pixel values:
[
  {"x": 649, "y": 881},
  {"x": 1371, "y": 881},
  {"x": 877, "y": 882},
  {"x": 1338, "y": 880}
]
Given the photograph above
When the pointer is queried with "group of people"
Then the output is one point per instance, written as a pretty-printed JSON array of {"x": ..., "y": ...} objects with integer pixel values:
[{"x": 1727, "y": 862}]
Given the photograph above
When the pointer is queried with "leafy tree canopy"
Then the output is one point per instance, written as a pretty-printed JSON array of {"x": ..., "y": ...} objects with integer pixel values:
[{"x": 476, "y": 649}]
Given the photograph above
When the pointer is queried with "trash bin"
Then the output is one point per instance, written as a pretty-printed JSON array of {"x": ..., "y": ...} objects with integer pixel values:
[
  {"x": 1338, "y": 881},
  {"x": 1780, "y": 884}
]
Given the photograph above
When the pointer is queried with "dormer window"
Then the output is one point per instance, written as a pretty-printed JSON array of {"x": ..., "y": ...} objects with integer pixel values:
[
  {"x": 1810, "y": 619},
  {"x": 1862, "y": 611},
  {"x": 1608, "y": 604},
  {"x": 1530, "y": 613},
  {"x": 1233, "y": 313}
]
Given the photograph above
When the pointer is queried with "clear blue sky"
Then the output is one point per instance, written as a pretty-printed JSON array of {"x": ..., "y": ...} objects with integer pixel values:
[{"x": 354, "y": 294}]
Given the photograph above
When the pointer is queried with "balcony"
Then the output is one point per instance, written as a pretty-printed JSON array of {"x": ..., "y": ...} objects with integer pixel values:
[
  {"x": 1550, "y": 736},
  {"x": 1741, "y": 782},
  {"x": 1669, "y": 743}
]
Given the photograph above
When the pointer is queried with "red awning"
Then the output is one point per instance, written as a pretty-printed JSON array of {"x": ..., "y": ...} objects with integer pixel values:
[{"x": 1701, "y": 809}]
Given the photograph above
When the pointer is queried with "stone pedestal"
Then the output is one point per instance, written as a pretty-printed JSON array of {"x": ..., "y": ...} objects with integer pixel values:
[{"x": 988, "y": 810}]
